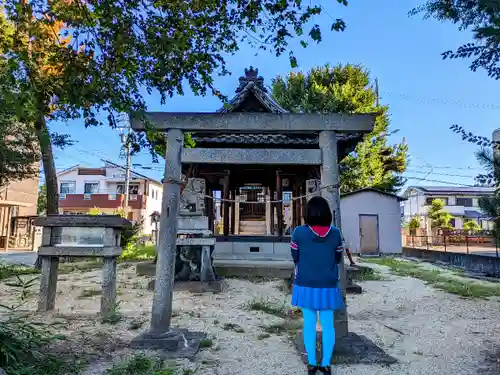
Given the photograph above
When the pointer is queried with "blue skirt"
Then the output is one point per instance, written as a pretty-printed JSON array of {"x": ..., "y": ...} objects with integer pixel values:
[{"x": 317, "y": 298}]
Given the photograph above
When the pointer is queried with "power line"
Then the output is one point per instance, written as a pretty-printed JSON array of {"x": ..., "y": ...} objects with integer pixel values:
[
  {"x": 442, "y": 174},
  {"x": 439, "y": 181},
  {"x": 446, "y": 167}
]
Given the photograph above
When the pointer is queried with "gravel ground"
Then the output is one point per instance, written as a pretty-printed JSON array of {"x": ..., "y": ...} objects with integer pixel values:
[{"x": 428, "y": 331}]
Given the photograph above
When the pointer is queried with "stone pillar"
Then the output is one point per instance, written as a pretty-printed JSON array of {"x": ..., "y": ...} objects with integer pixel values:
[
  {"x": 161, "y": 313},
  {"x": 48, "y": 283},
  {"x": 268, "y": 213},
  {"x": 237, "y": 215},
  {"x": 108, "y": 297},
  {"x": 279, "y": 204},
  {"x": 330, "y": 176}
]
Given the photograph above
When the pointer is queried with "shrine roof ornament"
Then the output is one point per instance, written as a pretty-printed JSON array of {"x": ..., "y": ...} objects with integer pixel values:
[
  {"x": 251, "y": 84},
  {"x": 251, "y": 75}
]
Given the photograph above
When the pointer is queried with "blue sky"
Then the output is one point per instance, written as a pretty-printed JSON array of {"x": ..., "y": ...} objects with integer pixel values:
[{"x": 424, "y": 93}]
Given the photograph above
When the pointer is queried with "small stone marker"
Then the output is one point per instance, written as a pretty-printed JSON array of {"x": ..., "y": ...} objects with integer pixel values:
[{"x": 80, "y": 236}]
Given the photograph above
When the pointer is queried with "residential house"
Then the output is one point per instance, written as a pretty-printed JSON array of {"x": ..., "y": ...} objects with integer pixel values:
[
  {"x": 461, "y": 202},
  {"x": 81, "y": 189},
  {"x": 18, "y": 205}
]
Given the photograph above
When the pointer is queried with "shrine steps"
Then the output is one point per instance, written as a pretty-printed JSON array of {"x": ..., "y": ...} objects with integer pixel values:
[
  {"x": 254, "y": 268},
  {"x": 252, "y": 227}
]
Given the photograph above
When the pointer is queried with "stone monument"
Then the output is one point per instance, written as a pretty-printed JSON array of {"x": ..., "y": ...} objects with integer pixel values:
[
  {"x": 80, "y": 236},
  {"x": 195, "y": 243}
]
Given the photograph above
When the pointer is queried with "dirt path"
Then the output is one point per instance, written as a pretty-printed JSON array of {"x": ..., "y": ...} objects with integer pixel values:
[{"x": 428, "y": 331}]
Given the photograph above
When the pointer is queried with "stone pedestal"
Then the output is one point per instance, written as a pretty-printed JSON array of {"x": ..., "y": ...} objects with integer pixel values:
[
  {"x": 176, "y": 343},
  {"x": 79, "y": 236}
]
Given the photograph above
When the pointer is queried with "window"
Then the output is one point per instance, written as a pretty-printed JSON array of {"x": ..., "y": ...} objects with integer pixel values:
[
  {"x": 133, "y": 189},
  {"x": 67, "y": 187},
  {"x": 466, "y": 202},
  {"x": 91, "y": 188},
  {"x": 452, "y": 223},
  {"x": 428, "y": 201}
]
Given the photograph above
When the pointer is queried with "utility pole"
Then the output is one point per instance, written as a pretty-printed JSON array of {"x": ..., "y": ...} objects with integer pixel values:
[{"x": 128, "y": 155}]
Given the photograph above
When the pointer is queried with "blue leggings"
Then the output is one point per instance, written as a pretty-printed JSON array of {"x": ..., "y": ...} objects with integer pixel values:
[{"x": 328, "y": 336}]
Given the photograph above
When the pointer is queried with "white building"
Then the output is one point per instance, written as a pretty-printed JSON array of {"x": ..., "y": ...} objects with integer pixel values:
[
  {"x": 461, "y": 202},
  {"x": 371, "y": 221},
  {"x": 81, "y": 189}
]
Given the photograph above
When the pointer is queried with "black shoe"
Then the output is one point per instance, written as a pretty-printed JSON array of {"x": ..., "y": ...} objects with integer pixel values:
[
  {"x": 311, "y": 370},
  {"x": 326, "y": 370}
]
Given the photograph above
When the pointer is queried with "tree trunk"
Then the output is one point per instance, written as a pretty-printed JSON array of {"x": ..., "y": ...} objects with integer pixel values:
[{"x": 49, "y": 170}]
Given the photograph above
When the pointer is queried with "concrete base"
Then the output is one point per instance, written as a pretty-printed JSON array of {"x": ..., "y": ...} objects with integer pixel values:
[
  {"x": 235, "y": 268},
  {"x": 177, "y": 343},
  {"x": 353, "y": 349},
  {"x": 353, "y": 289},
  {"x": 194, "y": 286}
]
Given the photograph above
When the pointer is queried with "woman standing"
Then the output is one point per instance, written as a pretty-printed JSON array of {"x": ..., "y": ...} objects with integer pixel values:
[{"x": 317, "y": 251}]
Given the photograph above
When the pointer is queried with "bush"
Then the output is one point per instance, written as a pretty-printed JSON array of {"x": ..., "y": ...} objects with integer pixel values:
[
  {"x": 132, "y": 253},
  {"x": 130, "y": 235}
]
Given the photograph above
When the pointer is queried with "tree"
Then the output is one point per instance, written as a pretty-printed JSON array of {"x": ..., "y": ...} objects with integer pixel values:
[
  {"x": 414, "y": 224},
  {"x": 439, "y": 217},
  {"x": 69, "y": 59},
  {"x": 41, "y": 203},
  {"x": 472, "y": 226},
  {"x": 480, "y": 16},
  {"x": 490, "y": 205},
  {"x": 347, "y": 89}
]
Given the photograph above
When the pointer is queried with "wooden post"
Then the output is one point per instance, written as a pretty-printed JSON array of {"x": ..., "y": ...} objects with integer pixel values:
[
  {"x": 330, "y": 178},
  {"x": 8, "y": 221},
  {"x": 225, "y": 205},
  {"x": 299, "y": 206},
  {"x": 210, "y": 210},
  {"x": 271, "y": 195},
  {"x": 279, "y": 205},
  {"x": 161, "y": 313},
  {"x": 233, "y": 213}
]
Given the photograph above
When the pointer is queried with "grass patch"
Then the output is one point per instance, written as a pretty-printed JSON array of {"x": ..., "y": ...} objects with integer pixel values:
[
  {"x": 268, "y": 307},
  {"x": 143, "y": 365},
  {"x": 138, "y": 253},
  {"x": 283, "y": 327},
  {"x": 233, "y": 327},
  {"x": 65, "y": 268},
  {"x": 8, "y": 270},
  {"x": 87, "y": 293},
  {"x": 25, "y": 346},
  {"x": 438, "y": 279},
  {"x": 368, "y": 276},
  {"x": 207, "y": 342}
]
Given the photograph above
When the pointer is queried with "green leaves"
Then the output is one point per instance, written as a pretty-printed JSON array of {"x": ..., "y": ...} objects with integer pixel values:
[
  {"x": 482, "y": 17},
  {"x": 348, "y": 89},
  {"x": 439, "y": 217}
]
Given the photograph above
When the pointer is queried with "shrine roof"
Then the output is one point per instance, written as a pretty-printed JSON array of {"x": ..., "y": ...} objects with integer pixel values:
[{"x": 253, "y": 96}]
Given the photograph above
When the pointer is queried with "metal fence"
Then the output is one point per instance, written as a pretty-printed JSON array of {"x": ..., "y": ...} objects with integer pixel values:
[{"x": 480, "y": 244}]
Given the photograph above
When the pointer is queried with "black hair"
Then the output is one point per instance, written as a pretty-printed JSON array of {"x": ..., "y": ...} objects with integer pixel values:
[{"x": 318, "y": 212}]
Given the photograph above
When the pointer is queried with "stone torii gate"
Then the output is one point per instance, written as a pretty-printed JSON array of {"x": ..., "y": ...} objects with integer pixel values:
[{"x": 175, "y": 124}]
